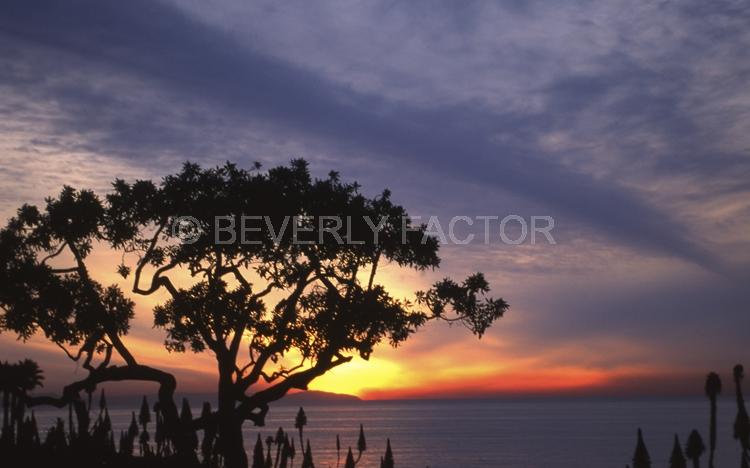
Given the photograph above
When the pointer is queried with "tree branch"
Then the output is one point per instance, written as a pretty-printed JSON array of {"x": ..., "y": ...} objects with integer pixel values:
[
  {"x": 167, "y": 386},
  {"x": 300, "y": 380},
  {"x": 53, "y": 254},
  {"x": 106, "y": 319}
]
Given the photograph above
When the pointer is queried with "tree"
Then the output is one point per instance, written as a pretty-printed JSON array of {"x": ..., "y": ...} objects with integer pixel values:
[
  {"x": 298, "y": 295},
  {"x": 713, "y": 389},
  {"x": 641, "y": 458},
  {"x": 695, "y": 448}
]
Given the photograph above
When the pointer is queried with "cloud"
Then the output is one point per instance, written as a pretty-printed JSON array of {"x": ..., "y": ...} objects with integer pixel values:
[
  {"x": 627, "y": 121},
  {"x": 189, "y": 59}
]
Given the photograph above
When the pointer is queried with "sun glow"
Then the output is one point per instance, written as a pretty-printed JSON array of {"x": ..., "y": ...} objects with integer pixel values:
[{"x": 359, "y": 376}]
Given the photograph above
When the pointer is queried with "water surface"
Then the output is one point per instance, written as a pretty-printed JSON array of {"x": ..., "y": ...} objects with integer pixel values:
[{"x": 492, "y": 433}]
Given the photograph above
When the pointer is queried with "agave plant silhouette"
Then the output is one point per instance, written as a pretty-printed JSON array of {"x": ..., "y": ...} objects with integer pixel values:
[
  {"x": 695, "y": 448},
  {"x": 299, "y": 423},
  {"x": 741, "y": 422},
  {"x": 677, "y": 459},
  {"x": 5, "y": 387},
  {"x": 641, "y": 458},
  {"x": 713, "y": 388}
]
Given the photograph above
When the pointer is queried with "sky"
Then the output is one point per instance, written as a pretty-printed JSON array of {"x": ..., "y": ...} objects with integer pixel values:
[{"x": 627, "y": 122}]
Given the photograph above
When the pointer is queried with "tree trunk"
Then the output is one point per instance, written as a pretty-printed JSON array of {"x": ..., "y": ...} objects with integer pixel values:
[
  {"x": 231, "y": 446},
  {"x": 230, "y": 443}
]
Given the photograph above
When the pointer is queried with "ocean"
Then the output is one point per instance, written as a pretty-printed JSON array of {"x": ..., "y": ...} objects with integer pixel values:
[{"x": 571, "y": 433}]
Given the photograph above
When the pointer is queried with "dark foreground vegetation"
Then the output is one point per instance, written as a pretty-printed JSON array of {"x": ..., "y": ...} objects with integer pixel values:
[
  {"x": 695, "y": 448},
  {"x": 81, "y": 440}
]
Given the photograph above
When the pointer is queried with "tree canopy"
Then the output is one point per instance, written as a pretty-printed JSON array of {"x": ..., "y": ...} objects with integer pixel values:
[{"x": 280, "y": 265}]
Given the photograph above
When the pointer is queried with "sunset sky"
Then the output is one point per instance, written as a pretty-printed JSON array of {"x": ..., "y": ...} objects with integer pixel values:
[{"x": 627, "y": 122}]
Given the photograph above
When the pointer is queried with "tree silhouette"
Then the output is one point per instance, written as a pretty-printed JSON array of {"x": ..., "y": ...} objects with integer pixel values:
[
  {"x": 328, "y": 306},
  {"x": 713, "y": 388},
  {"x": 641, "y": 458},
  {"x": 677, "y": 459},
  {"x": 695, "y": 448}
]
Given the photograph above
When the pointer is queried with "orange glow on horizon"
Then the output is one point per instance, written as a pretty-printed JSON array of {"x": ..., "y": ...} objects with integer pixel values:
[{"x": 432, "y": 364}]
